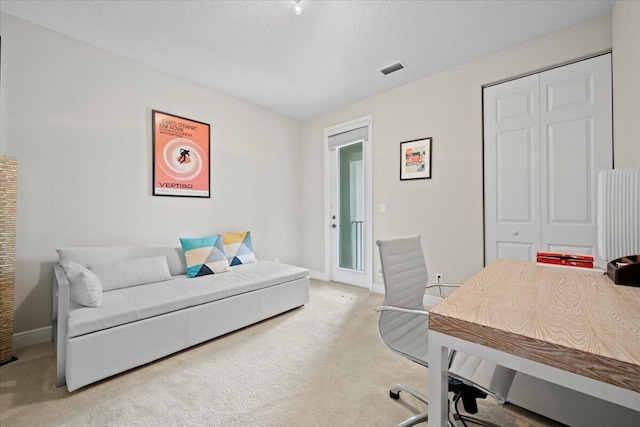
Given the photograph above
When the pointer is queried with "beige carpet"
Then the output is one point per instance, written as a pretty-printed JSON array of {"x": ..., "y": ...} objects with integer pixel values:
[{"x": 321, "y": 365}]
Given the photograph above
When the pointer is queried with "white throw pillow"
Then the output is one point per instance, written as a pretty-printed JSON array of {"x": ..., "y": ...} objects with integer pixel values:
[
  {"x": 84, "y": 286},
  {"x": 132, "y": 272}
]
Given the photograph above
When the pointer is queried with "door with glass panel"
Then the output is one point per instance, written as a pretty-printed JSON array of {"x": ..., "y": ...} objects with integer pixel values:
[{"x": 349, "y": 225}]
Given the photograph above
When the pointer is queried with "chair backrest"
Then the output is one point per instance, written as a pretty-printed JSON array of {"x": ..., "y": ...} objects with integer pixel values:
[
  {"x": 404, "y": 271},
  {"x": 405, "y": 275}
]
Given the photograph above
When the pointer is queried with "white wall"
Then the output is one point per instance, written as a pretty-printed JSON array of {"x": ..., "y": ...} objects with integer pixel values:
[
  {"x": 78, "y": 119},
  {"x": 626, "y": 83},
  {"x": 446, "y": 210}
]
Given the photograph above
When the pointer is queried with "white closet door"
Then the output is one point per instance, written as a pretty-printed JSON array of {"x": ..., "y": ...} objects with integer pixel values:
[
  {"x": 512, "y": 169},
  {"x": 546, "y": 138},
  {"x": 576, "y": 144}
]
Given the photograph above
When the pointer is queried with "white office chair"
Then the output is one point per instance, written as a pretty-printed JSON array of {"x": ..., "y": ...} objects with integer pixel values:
[{"x": 404, "y": 324}]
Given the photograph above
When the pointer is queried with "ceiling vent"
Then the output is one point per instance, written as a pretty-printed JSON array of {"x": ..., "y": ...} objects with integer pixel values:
[{"x": 392, "y": 68}]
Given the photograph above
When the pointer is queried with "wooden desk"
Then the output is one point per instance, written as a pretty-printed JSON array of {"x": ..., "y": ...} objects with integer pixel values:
[{"x": 578, "y": 330}]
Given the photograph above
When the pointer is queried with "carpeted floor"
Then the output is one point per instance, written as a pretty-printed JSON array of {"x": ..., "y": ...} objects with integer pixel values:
[{"x": 320, "y": 365}]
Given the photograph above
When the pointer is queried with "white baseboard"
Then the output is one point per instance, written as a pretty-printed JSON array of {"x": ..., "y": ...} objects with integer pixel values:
[
  {"x": 31, "y": 337},
  {"x": 319, "y": 276},
  {"x": 44, "y": 334},
  {"x": 378, "y": 288}
]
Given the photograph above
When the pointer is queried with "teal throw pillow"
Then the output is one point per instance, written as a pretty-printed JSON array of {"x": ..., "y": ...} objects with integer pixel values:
[{"x": 204, "y": 255}]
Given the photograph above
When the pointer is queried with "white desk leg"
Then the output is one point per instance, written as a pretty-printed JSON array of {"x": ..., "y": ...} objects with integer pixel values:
[{"x": 438, "y": 381}]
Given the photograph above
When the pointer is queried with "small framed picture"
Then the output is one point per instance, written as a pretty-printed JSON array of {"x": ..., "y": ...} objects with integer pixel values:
[
  {"x": 415, "y": 159},
  {"x": 180, "y": 156}
]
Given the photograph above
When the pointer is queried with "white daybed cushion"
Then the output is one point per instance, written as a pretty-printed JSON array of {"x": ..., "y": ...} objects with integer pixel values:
[
  {"x": 127, "y": 305},
  {"x": 132, "y": 272},
  {"x": 89, "y": 256},
  {"x": 84, "y": 287}
]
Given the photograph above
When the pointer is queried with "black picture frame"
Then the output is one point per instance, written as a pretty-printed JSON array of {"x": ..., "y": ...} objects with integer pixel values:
[
  {"x": 181, "y": 156},
  {"x": 415, "y": 159}
]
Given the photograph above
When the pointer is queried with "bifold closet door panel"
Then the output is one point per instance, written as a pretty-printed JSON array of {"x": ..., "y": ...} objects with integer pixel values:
[
  {"x": 512, "y": 169},
  {"x": 575, "y": 145}
]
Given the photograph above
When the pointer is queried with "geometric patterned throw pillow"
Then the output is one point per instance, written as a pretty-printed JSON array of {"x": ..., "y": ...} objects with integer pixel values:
[
  {"x": 239, "y": 248},
  {"x": 204, "y": 255}
]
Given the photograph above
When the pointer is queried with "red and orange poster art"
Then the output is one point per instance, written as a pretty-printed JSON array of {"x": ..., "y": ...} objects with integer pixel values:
[{"x": 180, "y": 156}]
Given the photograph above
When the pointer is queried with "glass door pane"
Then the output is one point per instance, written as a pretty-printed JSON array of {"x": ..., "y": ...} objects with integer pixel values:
[{"x": 351, "y": 207}]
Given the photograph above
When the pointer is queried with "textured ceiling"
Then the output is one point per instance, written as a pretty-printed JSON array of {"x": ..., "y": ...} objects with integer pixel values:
[{"x": 302, "y": 66}]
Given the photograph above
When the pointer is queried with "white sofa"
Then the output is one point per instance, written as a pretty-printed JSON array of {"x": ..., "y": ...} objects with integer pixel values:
[{"x": 138, "y": 324}]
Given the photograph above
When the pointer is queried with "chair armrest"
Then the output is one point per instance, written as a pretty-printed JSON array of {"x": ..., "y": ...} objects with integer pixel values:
[
  {"x": 401, "y": 310},
  {"x": 442, "y": 285}
]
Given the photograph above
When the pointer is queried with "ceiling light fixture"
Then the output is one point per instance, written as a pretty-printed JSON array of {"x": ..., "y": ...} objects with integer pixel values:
[{"x": 298, "y": 6}]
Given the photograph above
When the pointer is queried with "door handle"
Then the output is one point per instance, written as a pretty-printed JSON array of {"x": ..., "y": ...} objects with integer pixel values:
[{"x": 333, "y": 226}]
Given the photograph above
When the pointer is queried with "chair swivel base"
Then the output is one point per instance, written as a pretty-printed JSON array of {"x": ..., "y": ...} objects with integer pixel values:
[{"x": 394, "y": 393}]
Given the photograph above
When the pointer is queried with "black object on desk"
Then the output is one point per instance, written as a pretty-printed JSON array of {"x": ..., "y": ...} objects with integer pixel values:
[{"x": 625, "y": 270}]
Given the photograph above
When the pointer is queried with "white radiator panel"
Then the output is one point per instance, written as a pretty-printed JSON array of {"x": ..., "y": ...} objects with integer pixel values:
[{"x": 619, "y": 213}]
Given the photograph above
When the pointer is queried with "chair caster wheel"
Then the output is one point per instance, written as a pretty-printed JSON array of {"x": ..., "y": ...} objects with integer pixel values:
[{"x": 394, "y": 395}]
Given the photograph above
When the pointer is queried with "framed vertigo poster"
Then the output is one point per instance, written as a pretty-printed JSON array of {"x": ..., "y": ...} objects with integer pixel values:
[{"x": 181, "y": 149}]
